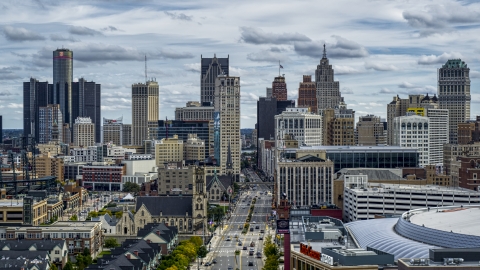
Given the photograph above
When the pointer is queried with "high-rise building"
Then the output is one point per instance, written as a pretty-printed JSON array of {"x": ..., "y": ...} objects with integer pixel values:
[
  {"x": 211, "y": 68},
  {"x": 279, "y": 88},
  {"x": 83, "y": 132},
  {"x": 168, "y": 150},
  {"x": 145, "y": 109},
  {"x": 438, "y": 134},
  {"x": 62, "y": 82},
  {"x": 194, "y": 148},
  {"x": 370, "y": 131},
  {"x": 338, "y": 126},
  {"x": 307, "y": 94},
  {"x": 454, "y": 94},
  {"x": 86, "y": 102},
  {"x": 413, "y": 131},
  {"x": 301, "y": 125},
  {"x": 195, "y": 111},
  {"x": 67, "y": 133},
  {"x": 48, "y": 165},
  {"x": 35, "y": 95},
  {"x": 113, "y": 131},
  {"x": 127, "y": 134},
  {"x": 328, "y": 90},
  {"x": 48, "y": 118},
  {"x": 227, "y": 122},
  {"x": 267, "y": 108}
]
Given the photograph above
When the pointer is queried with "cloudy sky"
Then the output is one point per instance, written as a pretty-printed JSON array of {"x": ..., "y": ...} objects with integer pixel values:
[{"x": 378, "y": 48}]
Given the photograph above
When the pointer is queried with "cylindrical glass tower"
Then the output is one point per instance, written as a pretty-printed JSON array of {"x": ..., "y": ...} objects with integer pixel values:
[{"x": 62, "y": 82}]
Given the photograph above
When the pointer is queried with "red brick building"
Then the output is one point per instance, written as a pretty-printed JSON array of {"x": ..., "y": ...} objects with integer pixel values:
[
  {"x": 469, "y": 172},
  {"x": 279, "y": 88},
  {"x": 307, "y": 94},
  {"x": 103, "y": 177}
]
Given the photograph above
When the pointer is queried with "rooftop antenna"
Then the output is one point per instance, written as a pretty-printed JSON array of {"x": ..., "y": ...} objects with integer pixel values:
[{"x": 145, "y": 68}]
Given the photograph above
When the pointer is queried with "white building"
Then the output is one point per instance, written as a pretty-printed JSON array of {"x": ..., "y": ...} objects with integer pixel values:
[
  {"x": 84, "y": 154},
  {"x": 413, "y": 131},
  {"x": 364, "y": 201},
  {"x": 438, "y": 133},
  {"x": 83, "y": 132},
  {"x": 304, "y": 126}
]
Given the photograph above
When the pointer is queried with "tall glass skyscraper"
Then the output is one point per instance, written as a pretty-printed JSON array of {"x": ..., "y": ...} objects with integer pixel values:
[{"x": 62, "y": 82}]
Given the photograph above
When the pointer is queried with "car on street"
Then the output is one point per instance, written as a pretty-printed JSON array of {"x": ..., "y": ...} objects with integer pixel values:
[
  {"x": 228, "y": 239},
  {"x": 257, "y": 227},
  {"x": 230, "y": 268},
  {"x": 207, "y": 264},
  {"x": 244, "y": 247},
  {"x": 250, "y": 263},
  {"x": 214, "y": 261},
  {"x": 240, "y": 244},
  {"x": 259, "y": 255},
  {"x": 260, "y": 238},
  {"x": 251, "y": 229},
  {"x": 254, "y": 222},
  {"x": 262, "y": 231}
]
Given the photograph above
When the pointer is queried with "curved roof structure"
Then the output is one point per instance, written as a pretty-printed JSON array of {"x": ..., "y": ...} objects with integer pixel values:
[{"x": 380, "y": 234}]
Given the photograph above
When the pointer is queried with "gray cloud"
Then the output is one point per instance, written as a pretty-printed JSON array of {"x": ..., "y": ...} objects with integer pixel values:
[
  {"x": 407, "y": 85},
  {"x": 344, "y": 70},
  {"x": 175, "y": 55},
  {"x": 438, "y": 59},
  {"x": 385, "y": 91},
  {"x": 56, "y": 37},
  {"x": 110, "y": 28},
  {"x": 7, "y": 73},
  {"x": 411, "y": 89},
  {"x": 441, "y": 18},
  {"x": 267, "y": 56},
  {"x": 83, "y": 31},
  {"x": 192, "y": 67},
  {"x": 258, "y": 36},
  {"x": 347, "y": 91},
  {"x": 179, "y": 16},
  {"x": 380, "y": 67},
  {"x": 342, "y": 48},
  {"x": 20, "y": 34},
  {"x": 22, "y": 55}
]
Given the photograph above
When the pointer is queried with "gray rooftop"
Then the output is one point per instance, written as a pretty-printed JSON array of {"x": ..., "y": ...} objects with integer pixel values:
[{"x": 372, "y": 173}]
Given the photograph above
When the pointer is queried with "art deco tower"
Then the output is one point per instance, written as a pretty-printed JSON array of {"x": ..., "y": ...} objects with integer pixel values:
[
  {"x": 454, "y": 94},
  {"x": 210, "y": 69},
  {"x": 145, "y": 109},
  {"x": 62, "y": 82},
  {"x": 328, "y": 90}
]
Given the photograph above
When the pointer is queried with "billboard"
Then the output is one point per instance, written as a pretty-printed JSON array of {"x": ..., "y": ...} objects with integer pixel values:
[{"x": 283, "y": 226}]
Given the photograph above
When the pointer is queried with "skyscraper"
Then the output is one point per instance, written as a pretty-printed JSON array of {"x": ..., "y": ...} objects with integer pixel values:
[
  {"x": 279, "y": 88},
  {"x": 83, "y": 132},
  {"x": 62, "y": 82},
  {"x": 454, "y": 94},
  {"x": 328, "y": 90},
  {"x": 113, "y": 131},
  {"x": 35, "y": 95},
  {"x": 267, "y": 108},
  {"x": 86, "y": 102},
  {"x": 210, "y": 69},
  {"x": 227, "y": 122},
  {"x": 49, "y": 116},
  {"x": 145, "y": 109},
  {"x": 370, "y": 131},
  {"x": 307, "y": 94}
]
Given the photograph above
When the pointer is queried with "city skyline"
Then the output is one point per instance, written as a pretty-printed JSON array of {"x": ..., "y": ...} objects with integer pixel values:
[{"x": 395, "y": 49}]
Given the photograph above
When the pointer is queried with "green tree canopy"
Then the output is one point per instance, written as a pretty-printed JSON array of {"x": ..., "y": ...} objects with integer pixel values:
[
  {"x": 131, "y": 187},
  {"x": 196, "y": 240},
  {"x": 111, "y": 243},
  {"x": 202, "y": 252}
]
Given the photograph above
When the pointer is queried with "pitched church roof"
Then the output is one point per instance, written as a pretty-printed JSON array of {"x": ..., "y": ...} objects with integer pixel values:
[{"x": 167, "y": 205}]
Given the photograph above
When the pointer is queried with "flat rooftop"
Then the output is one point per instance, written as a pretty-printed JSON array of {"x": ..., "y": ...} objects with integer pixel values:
[
  {"x": 11, "y": 203},
  {"x": 458, "y": 220},
  {"x": 386, "y": 188},
  {"x": 357, "y": 148}
]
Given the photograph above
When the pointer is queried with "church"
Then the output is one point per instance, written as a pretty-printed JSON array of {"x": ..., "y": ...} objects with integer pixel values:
[{"x": 186, "y": 212}]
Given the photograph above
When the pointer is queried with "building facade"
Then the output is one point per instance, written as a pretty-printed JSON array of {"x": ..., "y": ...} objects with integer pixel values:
[
  {"x": 195, "y": 111},
  {"x": 127, "y": 134},
  {"x": 469, "y": 131},
  {"x": 194, "y": 148},
  {"x": 469, "y": 172},
  {"x": 83, "y": 132},
  {"x": 370, "y": 131},
  {"x": 454, "y": 94},
  {"x": 338, "y": 125},
  {"x": 328, "y": 90},
  {"x": 413, "y": 131},
  {"x": 303, "y": 126},
  {"x": 279, "y": 88},
  {"x": 169, "y": 150},
  {"x": 48, "y": 165},
  {"x": 211, "y": 68},
  {"x": 267, "y": 108},
  {"x": 49, "y": 118},
  {"x": 145, "y": 110},
  {"x": 62, "y": 83},
  {"x": 103, "y": 177},
  {"x": 87, "y": 102},
  {"x": 35, "y": 95},
  {"x": 113, "y": 131},
  {"x": 438, "y": 134},
  {"x": 307, "y": 94},
  {"x": 227, "y": 122}
]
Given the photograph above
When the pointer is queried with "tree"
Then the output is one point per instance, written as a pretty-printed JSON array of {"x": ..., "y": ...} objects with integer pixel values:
[
  {"x": 53, "y": 267},
  {"x": 74, "y": 218},
  {"x": 111, "y": 243},
  {"x": 68, "y": 266},
  {"x": 118, "y": 215},
  {"x": 202, "y": 252},
  {"x": 196, "y": 240},
  {"x": 131, "y": 187},
  {"x": 269, "y": 248},
  {"x": 84, "y": 259},
  {"x": 271, "y": 263}
]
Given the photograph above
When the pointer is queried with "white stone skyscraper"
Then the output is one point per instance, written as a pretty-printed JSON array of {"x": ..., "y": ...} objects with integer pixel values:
[
  {"x": 227, "y": 122},
  {"x": 454, "y": 94},
  {"x": 328, "y": 90},
  {"x": 145, "y": 110}
]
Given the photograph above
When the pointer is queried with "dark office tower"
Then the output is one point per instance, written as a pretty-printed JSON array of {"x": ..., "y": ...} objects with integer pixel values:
[
  {"x": 454, "y": 94},
  {"x": 307, "y": 94},
  {"x": 1, "y": 130},
  {"x": 267, "y": 108},
  {"x": 62, "y": 82},
  {"x": 210, "y": 69},
  {"x": 35, "y": 95},
  {"x": 328, "y": 90},
  {"x": 86, "y": 102},
  {"x": 279, "y": 88}
]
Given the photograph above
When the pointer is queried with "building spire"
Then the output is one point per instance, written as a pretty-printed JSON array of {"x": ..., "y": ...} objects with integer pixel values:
[{"x": 324, "y": 51}]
